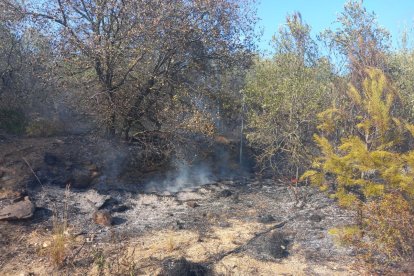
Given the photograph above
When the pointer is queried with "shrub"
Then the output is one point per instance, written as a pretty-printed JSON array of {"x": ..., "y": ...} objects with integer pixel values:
[
  {"x": 390, "y": 223},
  {"x": 371, "y": 170},
  {"x": 283, "y": 94}
]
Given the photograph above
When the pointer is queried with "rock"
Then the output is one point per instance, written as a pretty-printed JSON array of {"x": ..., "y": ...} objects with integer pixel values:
[
  {"x": 102, "y": 217},
  {"x": 23, "y": 209},
  {"x": 192, "y": 204},
  {"x": 182, "y": 267},
  {"x": 315, "y": 218}
]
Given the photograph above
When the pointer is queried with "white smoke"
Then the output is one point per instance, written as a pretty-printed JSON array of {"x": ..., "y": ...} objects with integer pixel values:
[{"x": 184, "y": 177}]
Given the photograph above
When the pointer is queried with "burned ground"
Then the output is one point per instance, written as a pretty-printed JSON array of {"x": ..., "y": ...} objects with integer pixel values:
[{"x": 236, "y": 226}]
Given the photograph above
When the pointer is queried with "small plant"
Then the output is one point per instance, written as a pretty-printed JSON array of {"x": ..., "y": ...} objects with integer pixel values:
[
  {"x": 121, "y": 263},
  {"x": 99, "y": 261},
  {"x": 125, "y": 264},
  {"x": 58, "y": 248},
  {"x": 60, "y": 236}
]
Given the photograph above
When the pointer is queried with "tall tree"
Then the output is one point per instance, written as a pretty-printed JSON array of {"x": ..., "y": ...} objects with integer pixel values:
[
  {"x": 358, "y": 40},
  {"x": 284, "y": 94},
  {"x": 133, "y": 50}
]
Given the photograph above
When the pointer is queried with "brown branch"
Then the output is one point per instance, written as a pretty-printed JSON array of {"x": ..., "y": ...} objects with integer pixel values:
[{"x": 122, "y": 81}]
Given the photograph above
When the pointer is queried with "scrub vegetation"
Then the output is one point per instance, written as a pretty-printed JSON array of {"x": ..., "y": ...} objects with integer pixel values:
[{"x": 183, "y": 78}]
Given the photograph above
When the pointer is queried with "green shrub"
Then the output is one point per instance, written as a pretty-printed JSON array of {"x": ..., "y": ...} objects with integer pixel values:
[
  {"x": 282, "y": 96},
  {"x": 12, "y": 121}
]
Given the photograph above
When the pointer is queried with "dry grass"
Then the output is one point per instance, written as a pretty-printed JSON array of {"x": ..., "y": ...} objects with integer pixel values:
[
  {"x": 115, "y": 262},
  {"x": 171, "y": 246},
  {"x": 154, "y": 247},
  {"x": 189, "y": 244},
  {"x": 61, "y": 239}
]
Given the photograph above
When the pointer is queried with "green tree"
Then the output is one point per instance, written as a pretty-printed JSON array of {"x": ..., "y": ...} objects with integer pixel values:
[
  {"x": 283, "y": 95},
  {"x": 371, "y": 170},
  {"x": 400, "y": 68},
  {"x": 357, "y": 41}
]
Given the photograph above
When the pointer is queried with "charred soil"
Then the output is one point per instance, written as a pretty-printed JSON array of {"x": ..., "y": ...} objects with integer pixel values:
[{"x": 234, "y": 225}]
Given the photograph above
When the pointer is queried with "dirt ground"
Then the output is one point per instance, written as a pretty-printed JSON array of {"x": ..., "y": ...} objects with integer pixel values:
[{"x": 236, "y": 226}]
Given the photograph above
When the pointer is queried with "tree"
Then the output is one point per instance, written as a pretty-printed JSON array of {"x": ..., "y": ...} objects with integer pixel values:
[
  {"x": 358, "y": 40},
  {"x": 283, "y": 95},
  {"x": 371, "y": 171},
  {"x": 10, "y": 58},
  {"x": 400, "y": 68},
  {"x": 137, "y": 55},
  {"x": 23, "y": 59}
]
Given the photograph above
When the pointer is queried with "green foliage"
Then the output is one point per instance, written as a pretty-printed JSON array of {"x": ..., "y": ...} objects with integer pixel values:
[
  {"x": 370, "y": 170},
  {"x": 12, "y": 121},
  {"x": 358, "y": 39},
  {"x": 283, "y": 96},
  {"x": 401, "y": 69}
]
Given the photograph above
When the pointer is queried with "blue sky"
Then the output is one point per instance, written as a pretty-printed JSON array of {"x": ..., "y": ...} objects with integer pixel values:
[{"x": 394, "y": 15}]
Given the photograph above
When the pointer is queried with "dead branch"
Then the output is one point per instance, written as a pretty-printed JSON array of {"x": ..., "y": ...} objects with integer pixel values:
[{"x": 31, "y": 169}]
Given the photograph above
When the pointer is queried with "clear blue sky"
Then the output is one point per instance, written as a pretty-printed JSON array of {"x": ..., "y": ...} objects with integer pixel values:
[{"x": 394, "y": 15}]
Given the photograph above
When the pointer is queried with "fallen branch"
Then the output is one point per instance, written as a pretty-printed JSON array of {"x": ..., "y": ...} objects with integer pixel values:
[{"x": 30, "y": 167}]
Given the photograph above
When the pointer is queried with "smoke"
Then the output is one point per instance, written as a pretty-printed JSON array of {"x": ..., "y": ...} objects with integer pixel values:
[{"x": 183, "y": 177}]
